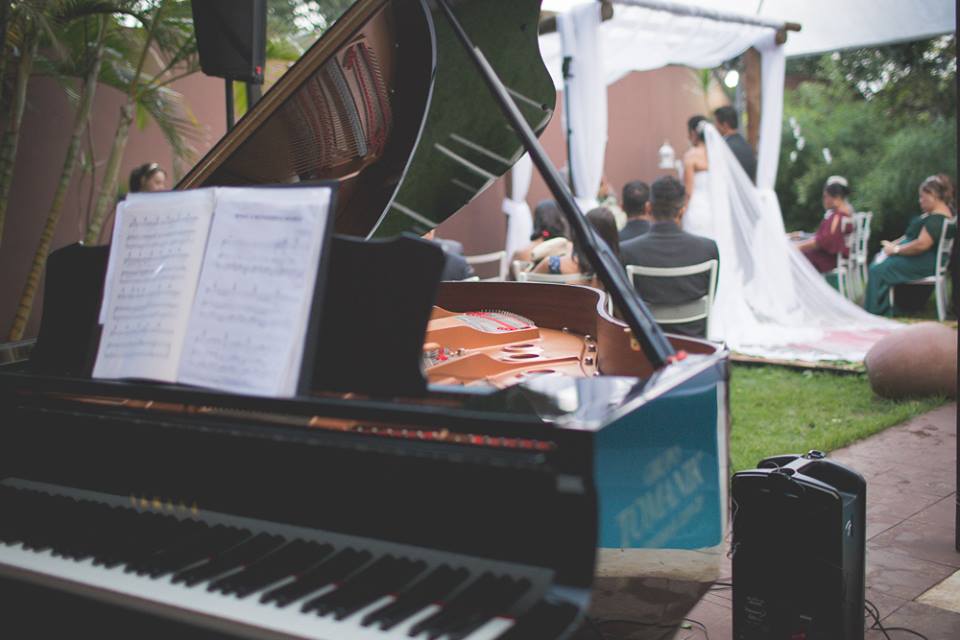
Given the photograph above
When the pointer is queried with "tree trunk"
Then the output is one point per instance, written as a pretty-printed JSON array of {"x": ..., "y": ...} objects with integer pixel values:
[
  {"x": 4, "y": 26},
  {"x": 108, "y": 188},
  {"x": 11, "y": 136},
  {"x": 25, "y": 307}
]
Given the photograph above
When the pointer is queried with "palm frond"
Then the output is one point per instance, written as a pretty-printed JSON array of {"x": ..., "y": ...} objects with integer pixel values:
[{"x": 177, "y": 124}]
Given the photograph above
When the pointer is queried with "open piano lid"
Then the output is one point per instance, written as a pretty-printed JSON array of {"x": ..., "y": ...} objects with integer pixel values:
[{"x": 387, "y": 103}]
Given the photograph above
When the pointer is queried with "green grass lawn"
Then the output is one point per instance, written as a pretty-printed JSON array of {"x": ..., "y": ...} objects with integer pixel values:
[{"x": 776, "y": 410}]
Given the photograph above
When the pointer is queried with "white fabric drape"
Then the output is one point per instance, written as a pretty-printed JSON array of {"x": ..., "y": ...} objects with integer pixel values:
[
  {"x": 770, "y": 300},
  {"x": 519, "y": 218},
  {"x": 639, "y": 39},
  {"x": 585, "y": 100},
  {"x": 773, "y": 68}
]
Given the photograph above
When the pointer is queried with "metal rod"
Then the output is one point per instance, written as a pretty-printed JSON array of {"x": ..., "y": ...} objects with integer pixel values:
[
  {"x": 710, "y": 14},
  {"x": 611, "y": 273},
  {"x": 228, "y": 83},
  {"x": 254, "y": 93}
]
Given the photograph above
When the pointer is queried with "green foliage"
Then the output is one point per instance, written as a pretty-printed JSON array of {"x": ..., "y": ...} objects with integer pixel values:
[
  {"x": 777, "y": 410},
  {"x": 887, "y": 117}
]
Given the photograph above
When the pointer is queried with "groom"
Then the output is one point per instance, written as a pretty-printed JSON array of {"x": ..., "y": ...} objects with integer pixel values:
[{"x": 726, "y": 119}]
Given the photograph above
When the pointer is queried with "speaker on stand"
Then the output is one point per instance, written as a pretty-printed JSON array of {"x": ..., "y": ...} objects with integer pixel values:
[{"x": 232, "y": 44}]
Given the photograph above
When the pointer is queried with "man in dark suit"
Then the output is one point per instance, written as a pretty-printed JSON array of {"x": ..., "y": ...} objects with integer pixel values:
[
  {"x": 636, "y": 204},
  {"x": 727, "y": 123},
  {"x": 667, "y": 245}
]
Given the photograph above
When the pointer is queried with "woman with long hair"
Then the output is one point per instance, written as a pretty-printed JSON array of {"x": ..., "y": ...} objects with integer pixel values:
[
  {"x": 605, "y": 226},
  {"x": 913, "y": 255}
]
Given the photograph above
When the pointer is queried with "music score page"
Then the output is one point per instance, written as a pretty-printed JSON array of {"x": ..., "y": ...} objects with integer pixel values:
[
  {"x": 213, "y": 287},
  {"x": 249, "y": 319},
  {"x": 155, "y": 259}
]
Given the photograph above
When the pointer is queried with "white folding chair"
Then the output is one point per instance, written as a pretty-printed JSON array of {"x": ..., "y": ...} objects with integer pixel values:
[
  {"x": 690, "y": 311},
  {"x": 497, "y": 258},
  {"x": 555, "y": 278},
  {"x": 846, "y": 265},
  {"x": 939, "y": 277},
  {"x": 859, "y": 258},
  {"x": 520, "y": 266}
]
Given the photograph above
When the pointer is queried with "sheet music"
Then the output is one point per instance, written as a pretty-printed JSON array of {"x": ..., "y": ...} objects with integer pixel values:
[
  {"x": 246, "y": 333},
  {"x": 151, "y": 279}
]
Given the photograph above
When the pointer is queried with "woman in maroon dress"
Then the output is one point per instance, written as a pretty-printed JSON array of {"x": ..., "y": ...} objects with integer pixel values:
[{"x": 831, "y": 237}]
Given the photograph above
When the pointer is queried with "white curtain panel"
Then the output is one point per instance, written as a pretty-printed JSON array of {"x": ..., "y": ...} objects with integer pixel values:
[
  {"x": 585, "y": 99},
  {"x": 519, "y": 218},
  {"x": 773, "y": 68}
]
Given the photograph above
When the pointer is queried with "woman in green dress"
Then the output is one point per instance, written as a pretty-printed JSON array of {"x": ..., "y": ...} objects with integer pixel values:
[{"x": 913, "y": 255}]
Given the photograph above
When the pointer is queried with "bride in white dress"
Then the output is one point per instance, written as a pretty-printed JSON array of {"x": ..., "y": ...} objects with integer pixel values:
[
  {"x": 770, "y": 301},
  {"x": 697, "y": 219}
]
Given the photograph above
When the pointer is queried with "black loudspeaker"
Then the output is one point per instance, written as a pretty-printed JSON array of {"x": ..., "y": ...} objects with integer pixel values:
[
  {"x": 799, "y": 535},
  {"x": 232, "y": 38}
]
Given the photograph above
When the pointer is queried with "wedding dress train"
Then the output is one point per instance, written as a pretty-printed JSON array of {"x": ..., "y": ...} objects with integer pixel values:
[{"x": 770, "y": 300}]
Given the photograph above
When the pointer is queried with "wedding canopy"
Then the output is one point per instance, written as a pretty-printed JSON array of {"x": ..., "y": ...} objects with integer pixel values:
[
  {"x": 829, "y": 25},
  {"x": 640, "y": 38}
]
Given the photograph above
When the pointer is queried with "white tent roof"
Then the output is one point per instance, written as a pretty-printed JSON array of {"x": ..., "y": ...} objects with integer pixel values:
[{"x": 829, "y": 25}]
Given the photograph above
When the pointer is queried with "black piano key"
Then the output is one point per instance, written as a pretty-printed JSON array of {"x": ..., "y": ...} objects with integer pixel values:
[
  {"x": 167, "y": 536},
  {"x": 511, "y": 592},
  {"x": 544, "y": 620},
  {"x": 379, "y": 579},
  {"x": 229, "y": 560},
  {"x": 333, "y": 570},
  {"x": 460, "y": 605},
  {"x": 208, "y": 542},
  {"x": 147, "y": 533},
  {"x": 476, "y": 604},
  {"x": 12, "y": 524},
  {"x": 435, "y": 586},
  {"x": 297, "y": 557}
]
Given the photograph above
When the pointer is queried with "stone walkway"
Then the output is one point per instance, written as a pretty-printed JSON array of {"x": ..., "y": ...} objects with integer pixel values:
[{"x": 913, "y": 567}]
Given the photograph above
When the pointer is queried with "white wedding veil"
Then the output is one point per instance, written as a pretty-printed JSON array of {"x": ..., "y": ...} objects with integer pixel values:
[{"x": 770, "y": 300}]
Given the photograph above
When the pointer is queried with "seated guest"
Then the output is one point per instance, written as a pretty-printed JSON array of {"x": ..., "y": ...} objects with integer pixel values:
[
  {"x": 548, "y": 224},
  {"x": 605, "y": 226},
  {"x": 913, "y": 255},
  {"x": 147, "y": 177},
  {"x": 455, "y": 266},
  {"x": 667, "y": 245},
  {"x": 831, "y": 237},
  {"x": 636, "y": 203},
  {"x": 607, "y": 198}
]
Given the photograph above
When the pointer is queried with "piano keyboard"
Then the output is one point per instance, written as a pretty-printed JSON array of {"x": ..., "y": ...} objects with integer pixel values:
[{"x": 263, "y": 579}]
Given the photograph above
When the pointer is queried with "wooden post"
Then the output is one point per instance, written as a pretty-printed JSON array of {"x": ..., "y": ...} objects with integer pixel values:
[{"x": 752, "y": 88}]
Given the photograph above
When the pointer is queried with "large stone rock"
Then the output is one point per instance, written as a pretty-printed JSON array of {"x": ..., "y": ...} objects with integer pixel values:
[{"x": 920, "y": 360}]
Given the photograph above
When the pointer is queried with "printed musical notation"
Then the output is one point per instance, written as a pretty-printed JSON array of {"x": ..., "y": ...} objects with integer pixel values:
[
  {"x": 154, "y": 263},
  {"x": 251, "y": 310},
  {"x": 213, "y": 287}
]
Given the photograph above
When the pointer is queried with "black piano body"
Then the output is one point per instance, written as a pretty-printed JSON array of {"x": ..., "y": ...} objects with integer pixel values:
[{"x": 529, "y": 493}]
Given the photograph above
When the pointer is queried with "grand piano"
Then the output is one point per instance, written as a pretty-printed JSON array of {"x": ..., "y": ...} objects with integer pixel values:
[{"x": 535, "y": 459}]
